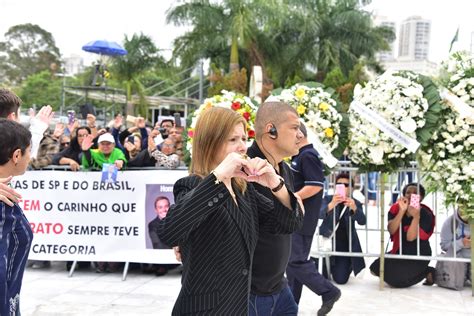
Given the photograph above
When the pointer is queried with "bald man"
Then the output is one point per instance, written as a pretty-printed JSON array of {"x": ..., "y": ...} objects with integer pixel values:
[{"x": 277, "y": 136}]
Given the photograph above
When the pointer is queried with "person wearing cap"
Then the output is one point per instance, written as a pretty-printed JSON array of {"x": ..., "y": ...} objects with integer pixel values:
[{"x": 106, "y": 153}]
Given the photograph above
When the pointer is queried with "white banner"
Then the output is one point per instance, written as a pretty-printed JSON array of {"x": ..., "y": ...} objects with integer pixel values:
[
  {"x": 380, "y": 122},
  {"x": 461, "y": 107},
  {"x": 326, "y": 155},
  {"x": 76, "y": 216}
]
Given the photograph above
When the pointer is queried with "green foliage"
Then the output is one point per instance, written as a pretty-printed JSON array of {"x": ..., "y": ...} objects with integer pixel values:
[
  {"x": 142, "y": 56},
  {"x": 358, "y": 75},
  {"x": 292, "y": 81},
  {"x": 234, "y": 81},
  {"x": 28, "y": 49},
  {"x": 335, "y": 78},
  {"x": 41, "y": 89}
]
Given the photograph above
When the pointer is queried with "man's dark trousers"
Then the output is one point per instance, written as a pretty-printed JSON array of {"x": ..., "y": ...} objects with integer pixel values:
[{"x": 302, "y": 271}]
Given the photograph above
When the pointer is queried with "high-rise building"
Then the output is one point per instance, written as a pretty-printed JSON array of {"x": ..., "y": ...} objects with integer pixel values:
[
  {"x": 414, "y": 39},
  {"x": 387, "y": 55},
  {"x": 73, "y": 64}
]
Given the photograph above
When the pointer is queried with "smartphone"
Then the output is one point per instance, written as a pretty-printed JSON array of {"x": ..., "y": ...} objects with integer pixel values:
[
  {"x": 71, "y": 116},
  {"x": 341, "y": 190},
  {"x": 415, "y": 201},
  {"x": 131, "y": 139},
  {"x": 177, "y": 119}
]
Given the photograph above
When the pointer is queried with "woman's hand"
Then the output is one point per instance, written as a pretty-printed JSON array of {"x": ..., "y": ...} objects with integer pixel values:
[
  {"x": 118, "y": 164},
  {"x": 87, "y": 142},
  {"x": 262, "y": 172},
  {"x": 413, "y": 212},
  {"x": 90, "y": 119},
  {"x": 466, "y": 241},
  {"x": 151, "y": 143},
  {"x": 7, "y": 194},
  {"x": 349, "y": 202},
  {"x": 177, "y": 253},
  {"x": 118, "y": 121},
  {"x": 74, "y": 165},
  {"x": 128, "y": 146},
  {"x": 140, "y": 122},
  {"x": 232, "y": 166},
  {"x": 73, "y": 126},
  {"x": 403, "y": 204},
  {"x": 336, "y": 200}
]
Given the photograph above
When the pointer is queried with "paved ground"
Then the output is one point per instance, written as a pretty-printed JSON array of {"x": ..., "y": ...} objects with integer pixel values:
[{"x": 50, "y": 291}]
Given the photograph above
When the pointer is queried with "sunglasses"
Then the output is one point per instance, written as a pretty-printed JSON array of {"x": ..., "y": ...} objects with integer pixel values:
[
  {"x": 345, "y": 184},
  {"x": 64, "y": 144}
]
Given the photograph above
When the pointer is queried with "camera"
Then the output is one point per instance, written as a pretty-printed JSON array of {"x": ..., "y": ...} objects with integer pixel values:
[
  {"x": 162, "y": 130},
  {"x": 131, "y": 139}
]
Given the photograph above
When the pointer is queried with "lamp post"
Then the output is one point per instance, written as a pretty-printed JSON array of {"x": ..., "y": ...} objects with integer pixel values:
[{"x": 63, "y": 92}]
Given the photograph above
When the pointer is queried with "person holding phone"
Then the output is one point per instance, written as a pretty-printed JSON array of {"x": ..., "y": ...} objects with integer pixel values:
[
  {"x": 342, "y": 210},
  {"x": 132, "y": 145},
  {"x": 416, "y": 223}
]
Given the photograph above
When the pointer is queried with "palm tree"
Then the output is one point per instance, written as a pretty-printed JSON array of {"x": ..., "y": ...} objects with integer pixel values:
[
  {"x": 142, "y": 56},
  {"x": 346, "y": 34},
  {"x": 320, "y": 35},
  {"x": 216, "y": 26}
]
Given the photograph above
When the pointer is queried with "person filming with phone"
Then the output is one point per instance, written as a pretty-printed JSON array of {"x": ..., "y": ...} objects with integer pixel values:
[
  {"x": 417, "y": 222},
  {"x": 340, "y": 212}
]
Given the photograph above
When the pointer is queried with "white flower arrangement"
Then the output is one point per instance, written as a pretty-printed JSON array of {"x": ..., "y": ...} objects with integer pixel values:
[
  {"x": 320, "y": 113},
  {"x": 449, "y": 160},
  {"x": 230, "y": 100},
  {"x": 398, "y": 98}
]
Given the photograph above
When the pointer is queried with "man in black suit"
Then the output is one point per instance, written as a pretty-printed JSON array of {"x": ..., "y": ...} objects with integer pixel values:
[
  {"x": 308, "y": 173},
  {"x": 277, "y": 136},
  {"x": 162, "y": 204}
]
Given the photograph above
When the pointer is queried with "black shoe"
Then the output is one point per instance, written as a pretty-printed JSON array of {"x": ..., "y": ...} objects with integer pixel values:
[
  {"x": 328, "y": 305},
  {"x": 430, "y": 276}
]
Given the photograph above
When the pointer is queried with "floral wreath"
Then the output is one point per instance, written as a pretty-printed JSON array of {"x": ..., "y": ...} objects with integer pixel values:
[
  {"x": 408, "y": 101},
  {"x": 230, "y": 100},
  {"x": 321, "y": 114},
  {"x": 449, "y": 158}
]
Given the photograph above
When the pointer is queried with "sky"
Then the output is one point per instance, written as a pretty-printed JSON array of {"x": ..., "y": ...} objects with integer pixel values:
[{"x": 75, "y": 23}]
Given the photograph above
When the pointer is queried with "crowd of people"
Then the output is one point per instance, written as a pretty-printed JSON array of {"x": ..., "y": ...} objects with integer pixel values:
[
  {"x": 243, "y": 221},
  {"x": 89, "y": 148}
]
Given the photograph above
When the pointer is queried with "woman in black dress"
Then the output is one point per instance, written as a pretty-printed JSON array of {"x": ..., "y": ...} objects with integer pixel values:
[{"x": 407, "y": 272}]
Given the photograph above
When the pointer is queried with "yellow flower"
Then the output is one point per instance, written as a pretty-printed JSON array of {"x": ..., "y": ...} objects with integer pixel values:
[
  {"x": 329, "y": 132},
  {"x": 301, "y": 109},
  {"x": 300, "y": 93},
  {"x": 323, "y": 106},
  {"x": 208, "y": 104}
]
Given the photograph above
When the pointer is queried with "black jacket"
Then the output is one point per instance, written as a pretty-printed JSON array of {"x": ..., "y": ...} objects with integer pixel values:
[{"x": 217, "y": 239}]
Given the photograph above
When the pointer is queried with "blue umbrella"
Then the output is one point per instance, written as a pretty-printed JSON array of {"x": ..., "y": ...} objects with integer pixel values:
[{"x": 104, "y": 47}]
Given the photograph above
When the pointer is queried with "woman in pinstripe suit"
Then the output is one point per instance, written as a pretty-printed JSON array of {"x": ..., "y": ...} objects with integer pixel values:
[
  {"x": 16, "y": 234},
  {"x": 216, "y": 216}
]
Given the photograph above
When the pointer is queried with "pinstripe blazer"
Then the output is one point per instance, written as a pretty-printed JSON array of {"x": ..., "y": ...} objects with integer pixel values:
[{"x": 217, "y": 239}]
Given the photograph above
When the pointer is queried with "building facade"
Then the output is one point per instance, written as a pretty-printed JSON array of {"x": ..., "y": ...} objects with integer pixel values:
[{"x": 414, "y": 39}]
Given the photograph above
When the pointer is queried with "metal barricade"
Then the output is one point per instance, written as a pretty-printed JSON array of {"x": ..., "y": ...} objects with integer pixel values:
[{"x": 375, "y": 231}]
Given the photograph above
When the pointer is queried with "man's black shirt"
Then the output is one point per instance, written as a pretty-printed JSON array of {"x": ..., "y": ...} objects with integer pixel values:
[{"x": 272, "y": 251}]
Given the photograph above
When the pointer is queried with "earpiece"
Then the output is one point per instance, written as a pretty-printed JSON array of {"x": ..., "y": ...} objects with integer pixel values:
[{"x": 273, "y": 132}]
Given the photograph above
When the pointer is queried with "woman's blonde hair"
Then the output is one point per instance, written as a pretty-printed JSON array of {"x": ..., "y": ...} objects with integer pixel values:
[{"x": 212, "y": 131}]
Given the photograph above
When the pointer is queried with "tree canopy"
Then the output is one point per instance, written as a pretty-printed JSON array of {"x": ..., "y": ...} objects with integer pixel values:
[{"x": 27, "y": 49}]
